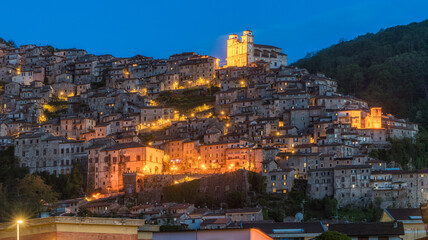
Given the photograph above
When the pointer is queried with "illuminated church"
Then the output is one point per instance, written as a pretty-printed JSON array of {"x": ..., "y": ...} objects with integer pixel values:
[{"x": 243, "y": 53}]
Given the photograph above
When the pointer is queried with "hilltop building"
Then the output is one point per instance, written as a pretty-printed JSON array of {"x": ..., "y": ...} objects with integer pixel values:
[{"x": 243, "y": 53}]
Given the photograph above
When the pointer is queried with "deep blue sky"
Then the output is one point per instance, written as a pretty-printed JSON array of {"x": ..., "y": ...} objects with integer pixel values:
[{"x": 160, "y": 28}]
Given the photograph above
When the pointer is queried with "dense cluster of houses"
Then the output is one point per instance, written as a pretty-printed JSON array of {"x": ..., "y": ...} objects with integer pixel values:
[
  {"x": 161, "y": 214},
  {"x": 62, "y": 107},
  {"x": 395, "y": 223}
]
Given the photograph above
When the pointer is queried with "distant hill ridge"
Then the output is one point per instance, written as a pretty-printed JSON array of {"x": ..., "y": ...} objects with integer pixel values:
[{"x": 388, "y": 69}]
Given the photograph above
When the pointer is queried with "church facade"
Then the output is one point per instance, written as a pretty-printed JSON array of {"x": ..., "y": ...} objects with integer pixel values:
[{"x": 241, "y": 53}]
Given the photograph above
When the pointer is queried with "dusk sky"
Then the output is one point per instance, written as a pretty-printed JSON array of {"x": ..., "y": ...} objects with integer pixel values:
[{"x": 161, "y": 28}]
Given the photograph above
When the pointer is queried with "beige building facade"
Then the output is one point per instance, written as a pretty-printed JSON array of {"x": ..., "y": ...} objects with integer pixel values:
[{"x": 241, "y": 53}]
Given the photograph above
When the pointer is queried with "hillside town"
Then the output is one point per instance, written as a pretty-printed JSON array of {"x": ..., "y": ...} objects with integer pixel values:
[{"x": 136, "y": 126}]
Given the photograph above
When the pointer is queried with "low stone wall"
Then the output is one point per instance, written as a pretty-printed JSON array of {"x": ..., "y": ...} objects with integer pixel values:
[
  {"x": 159, "y": 181},
  {"x": 215, "y": 186}
]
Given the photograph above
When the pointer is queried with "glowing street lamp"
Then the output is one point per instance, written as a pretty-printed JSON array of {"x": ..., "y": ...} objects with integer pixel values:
[{"x": 17, "y": 228}]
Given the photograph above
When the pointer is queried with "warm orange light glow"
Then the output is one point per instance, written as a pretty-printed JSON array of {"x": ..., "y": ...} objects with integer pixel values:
[
  {"x": 96, "y": 195},
  {"x": 153, "y": 103},
  {"x": 42, "y": 119},
  {"x": 360, "y": 119}
]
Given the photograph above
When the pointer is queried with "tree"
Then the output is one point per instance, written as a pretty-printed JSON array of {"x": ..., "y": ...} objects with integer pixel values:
[
  {"x": 236, "y": 199},
  {"x": 332, "y": 235},
  {"x": 9, "y": 170},
  {"x": 50, "y": 49},
  {"x": 277, "y": 214},
  {"x": 27, "y": 197},
  {"x": 67, "y": 185},
  {"x": 33, "y": 191},
  {"x": 406, "y": 152},
  {"x": 74, "y": 182},
  {"x": 257, "y": 182},
  {"x": 83, "y": 212},
  {"x": 12, "y": 43}
]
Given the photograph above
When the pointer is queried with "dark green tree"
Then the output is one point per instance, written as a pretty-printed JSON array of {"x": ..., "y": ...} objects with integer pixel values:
[
  {"x": 236, "y": 199},
  {"x": 83, "y": 212}
]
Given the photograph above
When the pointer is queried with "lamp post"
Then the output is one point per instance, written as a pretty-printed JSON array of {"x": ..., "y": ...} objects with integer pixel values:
[{"x": 17, "y": 228}]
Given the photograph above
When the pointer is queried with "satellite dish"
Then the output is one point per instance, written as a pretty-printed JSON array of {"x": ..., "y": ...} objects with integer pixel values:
[{"x": 299, "y": 217}]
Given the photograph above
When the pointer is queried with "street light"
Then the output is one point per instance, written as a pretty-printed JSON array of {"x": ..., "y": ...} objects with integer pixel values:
[{"x": 17, "y": 228}]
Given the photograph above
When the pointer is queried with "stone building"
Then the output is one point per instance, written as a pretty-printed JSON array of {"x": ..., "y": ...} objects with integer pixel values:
[
  {"x": 320, "y": 183},
  {"x": 152, "y": 114},
  {"x": 41, "y": 151},
  {"x": 106, "y": 164},
  {"x": 73, "y": 127},
  {"x": 400, "y": 188},
  {"x": 352, "y": 185},
  {"x": 277, "y": 180},
  {"x": 245, "y": 214},
  {"x": 214, "y": 155},
  {"x": 197, "y": 70},
  {"x": 243, "y": 53}
]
